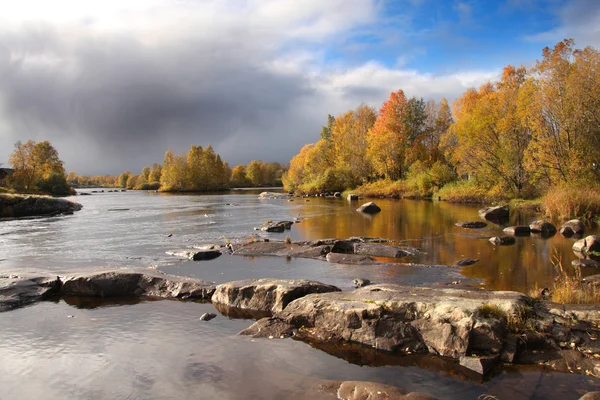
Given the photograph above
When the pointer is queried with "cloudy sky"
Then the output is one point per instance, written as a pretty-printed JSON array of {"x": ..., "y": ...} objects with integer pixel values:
[{"x": 113, "y": 84}]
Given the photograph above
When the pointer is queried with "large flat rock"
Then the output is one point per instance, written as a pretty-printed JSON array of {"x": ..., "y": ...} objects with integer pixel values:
[
  {"x": 131, "y": 282},
  {"x": 281, "y": 249},
  {"x": 397, "y": 318},
  {"x": 17, "y": 290},
  {"x": 266, "y": 295},
  {"x": 15, "y": 206}
]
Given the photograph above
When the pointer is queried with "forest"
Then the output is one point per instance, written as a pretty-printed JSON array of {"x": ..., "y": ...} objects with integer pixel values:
[{"x": 533, "y": 132}]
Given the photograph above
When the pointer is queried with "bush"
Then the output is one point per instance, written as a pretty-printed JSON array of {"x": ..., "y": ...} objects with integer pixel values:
[
  {"x": 463, "y": 192},
  {"x": 381, "y": 188},
  {"x": 148, "y": 186},
  {"x": 564, "y": 203},
  {"x": 56, "y": 185}
]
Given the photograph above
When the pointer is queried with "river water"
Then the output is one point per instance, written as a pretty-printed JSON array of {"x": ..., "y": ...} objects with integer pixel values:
[{"x": 80, "y": 349}]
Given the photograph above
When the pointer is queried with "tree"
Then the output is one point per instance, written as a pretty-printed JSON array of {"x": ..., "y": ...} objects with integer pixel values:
[
  {"x": 38, "y": 167},
  {"x": 350, "y": 134},
  {"x": 560, "y": 103},
  {"x": 491, "y": 138},
  {"x": 326, "y": 130},
  {"x": 389, "y": 138},
  {"x": 256, "y": 173}
]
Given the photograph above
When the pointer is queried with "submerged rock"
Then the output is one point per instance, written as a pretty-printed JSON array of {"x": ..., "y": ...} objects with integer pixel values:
[
  {"x": 369, "y": 208},
  {"x": 275, "y": 226},
  {"x": 572, "y": 227},
  {"x": 543, "y": 227},
  {"x": 268, "y": 295},
  {"x": 357, "y": 390},
  {"x": 353, "y": 259},
  {"x": 494, "y": 213},
  {"x": 380, "y": 250},
  {"x": 502, "y": 240},
  {"x": 471, "y": 224},
  {"x": 196, "y": 255},
  {"x": 272, "y": 195},
  {"x": 517, "y": 230},
  {"x": 465, "y": 261}
]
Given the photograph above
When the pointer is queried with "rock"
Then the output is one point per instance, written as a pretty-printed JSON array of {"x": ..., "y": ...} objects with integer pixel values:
[
  {"x": 16, "y": 206},
  {"x": 379, "y": 250},
  {"x": 343, "y": 246},
  {"x": 509, "y": 352},
  {"x": 572, "y": 227},
  {"x": 481, "y": 365},
  {"x": 471, "y": 224},
  {"x": 397, "y": 318},
  {"x": 352, "y": 259},
  {"x": 543, "y": 227},
  {"x": 367, "y": 239},
  {"x": 272, "y": 195},
  {"x": 281, "y": 249},
  {"x": 517, "y": 230},
  {"x": 207, "y": 316},
  {"x": 24, "y": 288},
  {"x": 360, "y": 282},
  {"x": 205, "y": 255},
  {"x": 369, "y": 208},
  {"x": 268, "y": 295},
  {"x": 131, "y": 282},
  {"x": 84, "y": 194},
  {"x": 465, "y": 261},
  {"x": 269, "y": 327},
  {"x": 337, "y": 194},
  {"x": 196, "y": 255},
  {"x": 356, "y": 390},
  {"x": 587, "y": 245},
  {"x": 278, "y": 226},
  {"x": 502, "y": 240},
  {"x": 494, "y": 213},
  {"x": 590, "y": 396},
  {"x": 592, "y": 280},
  {"x": 352, "y": 197},
  {"x": 585, "y": 263}
]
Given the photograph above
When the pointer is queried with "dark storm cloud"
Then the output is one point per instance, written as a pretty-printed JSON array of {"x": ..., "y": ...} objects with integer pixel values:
[{"x": 126, "y": 102}]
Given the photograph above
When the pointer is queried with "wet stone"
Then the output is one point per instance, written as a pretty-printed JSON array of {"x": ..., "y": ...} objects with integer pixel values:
[
  {"x": 465, "y": 261},
  {"x": 471, "y": 224}
]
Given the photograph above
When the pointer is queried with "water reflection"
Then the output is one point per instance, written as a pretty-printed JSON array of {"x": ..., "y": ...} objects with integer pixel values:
[{"x": 160, "y": 349}]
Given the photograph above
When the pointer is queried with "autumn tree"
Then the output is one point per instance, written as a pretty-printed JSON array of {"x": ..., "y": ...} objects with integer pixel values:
[
  {"x": 389, "y": 138},
  {"x": 37, "y": 167},
  {"x": 491, "y": 138},
  {"x": 349, "y": 134},
  {"x": 560, "y": 103}
]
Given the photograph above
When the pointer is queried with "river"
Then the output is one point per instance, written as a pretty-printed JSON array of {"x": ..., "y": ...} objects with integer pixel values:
[{"x": 80, "y": 349}]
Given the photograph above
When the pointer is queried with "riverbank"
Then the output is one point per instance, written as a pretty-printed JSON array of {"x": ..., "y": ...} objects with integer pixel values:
[
  {"x": 23, "y": 205},
  {"x": 481, "y": 329}
]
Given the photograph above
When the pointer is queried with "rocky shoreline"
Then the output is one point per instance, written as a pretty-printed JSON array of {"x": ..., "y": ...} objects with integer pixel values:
[
  {"x": 479, "y": 328},
  {"x": 18, "y": 206}
]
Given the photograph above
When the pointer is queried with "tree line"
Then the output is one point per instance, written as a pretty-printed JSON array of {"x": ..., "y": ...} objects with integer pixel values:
[
  {"x": 531, "y": 130},
  {"x": 198, "y": 170}
]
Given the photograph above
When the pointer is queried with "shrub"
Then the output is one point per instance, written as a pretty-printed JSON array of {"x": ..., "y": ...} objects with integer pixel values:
[
  {"x": 147, "y": 186},
  {"x": 564, "y": 202},
  {"x": 381, "y": 188},
  {"x": 463, "y": 192},
  {"x": 568, "y": 289}
]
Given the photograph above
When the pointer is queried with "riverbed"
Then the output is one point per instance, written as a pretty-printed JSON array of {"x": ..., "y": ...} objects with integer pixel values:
[{"x": 82, "y": 349}]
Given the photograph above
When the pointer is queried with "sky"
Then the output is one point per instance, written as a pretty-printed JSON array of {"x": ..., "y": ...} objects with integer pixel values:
[{"x": 114, "y": 84}]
